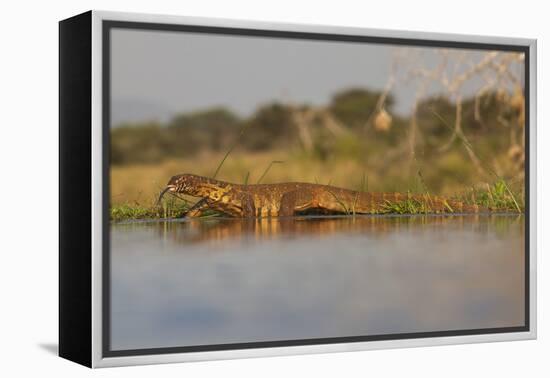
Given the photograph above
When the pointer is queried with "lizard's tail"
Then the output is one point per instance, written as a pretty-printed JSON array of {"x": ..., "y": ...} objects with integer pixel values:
[
  {"x": 444, "y": 205},
  {"x": 353, "y": 202}
]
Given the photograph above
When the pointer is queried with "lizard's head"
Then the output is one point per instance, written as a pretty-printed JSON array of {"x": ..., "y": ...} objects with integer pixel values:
[{"x": 186, "y": 184}]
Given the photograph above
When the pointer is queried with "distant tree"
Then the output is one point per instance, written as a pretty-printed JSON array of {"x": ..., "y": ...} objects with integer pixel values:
[
  {"x": 142, "y": 143},
  {"x": 431, "y": 114},
  {"x": 354, "y": 107},
  {"x": 271, "y": 125},
  {"x": 212, "y": 128},
  {"x": 488, "y": 114}
]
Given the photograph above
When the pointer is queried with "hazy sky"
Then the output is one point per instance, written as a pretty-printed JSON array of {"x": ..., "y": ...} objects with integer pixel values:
[{"x": 157, "y": 74}]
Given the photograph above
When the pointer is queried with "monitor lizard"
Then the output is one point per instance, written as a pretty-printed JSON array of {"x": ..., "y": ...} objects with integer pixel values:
[{"x": 293, "y": 198}]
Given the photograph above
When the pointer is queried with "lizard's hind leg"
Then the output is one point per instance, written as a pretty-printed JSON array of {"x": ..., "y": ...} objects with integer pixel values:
[{"x": 297, "y": 200}]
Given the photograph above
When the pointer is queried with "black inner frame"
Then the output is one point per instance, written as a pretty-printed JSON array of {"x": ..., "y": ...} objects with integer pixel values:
[{"x": 108, "y": 25}]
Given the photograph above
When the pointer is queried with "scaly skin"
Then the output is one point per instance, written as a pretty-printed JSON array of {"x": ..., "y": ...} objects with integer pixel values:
[{"x": 291, "y": 198}]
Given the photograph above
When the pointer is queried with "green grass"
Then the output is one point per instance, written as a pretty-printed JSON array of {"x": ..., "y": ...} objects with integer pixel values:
[
  {"x": 409, "y": 206},
  {"x": 170, "y": 208},
  {"x": 496, "y": 197}
]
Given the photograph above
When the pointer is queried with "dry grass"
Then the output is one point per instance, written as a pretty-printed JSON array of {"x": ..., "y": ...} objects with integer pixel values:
[{"x": 140, "y": 183}]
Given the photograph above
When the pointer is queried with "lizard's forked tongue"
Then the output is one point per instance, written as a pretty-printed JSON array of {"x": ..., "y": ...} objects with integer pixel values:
[{"x": 161, "y": 195}]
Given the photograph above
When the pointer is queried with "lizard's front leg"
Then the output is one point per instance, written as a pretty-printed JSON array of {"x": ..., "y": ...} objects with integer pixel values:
[
  {"x": 240, "y": 207},
  {"x": 197, "y": 209}
]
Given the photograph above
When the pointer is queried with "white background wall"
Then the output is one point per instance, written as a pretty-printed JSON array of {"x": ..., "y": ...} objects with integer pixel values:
[{"x": 28, "y": 198}]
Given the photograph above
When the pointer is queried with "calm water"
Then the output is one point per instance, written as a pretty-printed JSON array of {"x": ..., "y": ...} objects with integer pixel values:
[{"x": 215, "y": 281}]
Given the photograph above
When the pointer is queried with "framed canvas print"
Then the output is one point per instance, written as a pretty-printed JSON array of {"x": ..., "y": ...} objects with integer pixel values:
[{"x": 234, "y": 189}]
